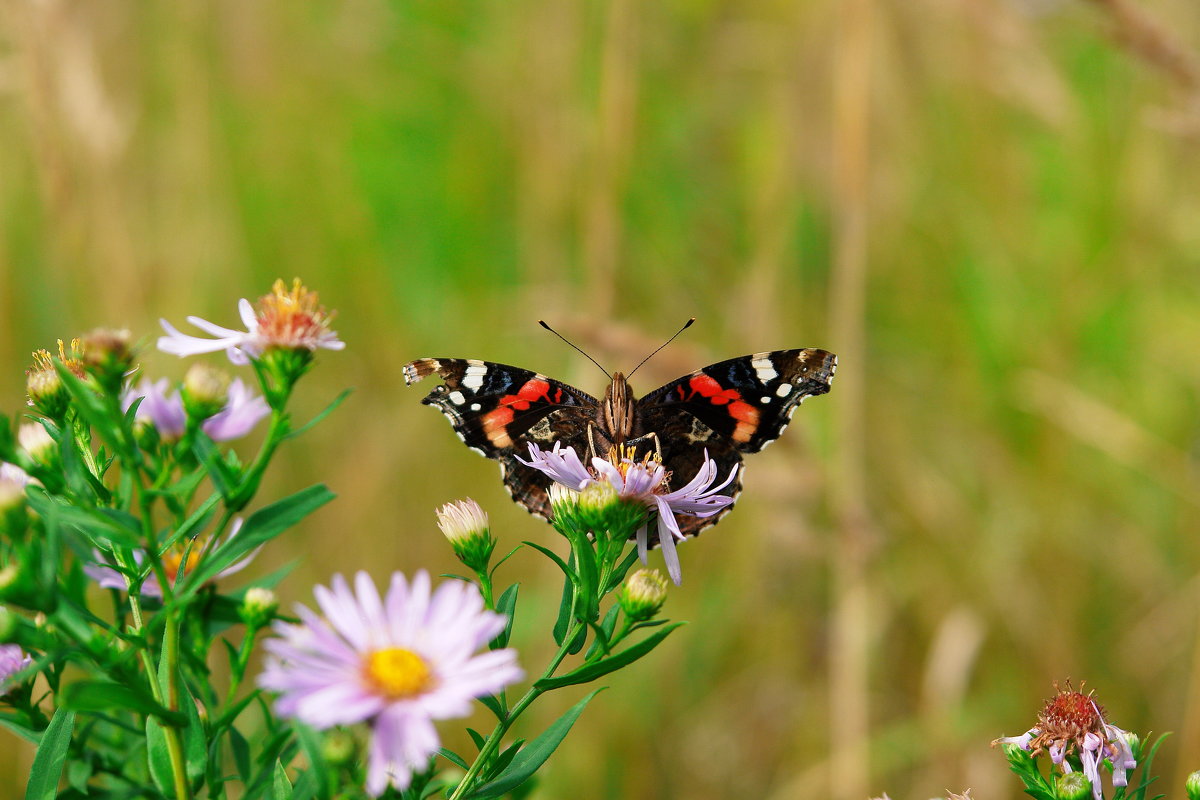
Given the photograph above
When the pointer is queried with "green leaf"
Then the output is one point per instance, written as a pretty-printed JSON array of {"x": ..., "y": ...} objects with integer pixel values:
[
  {"x": 262, "y": 526},
  {"x": 26, "y": 733},
  {"x": 159, "y": 757},
  {"x": 506, "y": 605},
  {"x": 453, "y": 757},
  {"x": 91, "y": 523},
  {"x": 50, "y": 757},
  {"x": 322, "y": 777},
  {"x": 107, "y": 696},
  {"x": 591, "y": 671},
  {"x": 605, "y": 632},
  {"x": 241, "y": 753},
  {"x": 207, "y": 453},
  {"x": 531, "y": 757},
  {"x": 281, "y": 787},
  {"x": 337, "y": 401},
  {"x": 493, "y": 704}
]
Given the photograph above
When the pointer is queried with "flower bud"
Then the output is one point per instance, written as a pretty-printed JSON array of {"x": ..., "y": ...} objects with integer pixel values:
[
  {"x": 643, "y": 595},
  {"x": 465, "y": 525},
  {"x": 205, "y": 391},
  {"x": 108, "y": 355},
  {"x": 603, "y": 511},
  {"x": 1073, "y": 786},
  {"x": 35, "y": 441},
  {"x": 339, "y": 748},
  {"x": 8, "y": 624},
  {"x": 564, "y": 503},
  {"x": 12, "y": 660},
  {"x": 13, "y": 518},
  {"x": 1192, "y": 786},
  {"x": 46, "y": 392},
  {"x": 258, "y": 606}
]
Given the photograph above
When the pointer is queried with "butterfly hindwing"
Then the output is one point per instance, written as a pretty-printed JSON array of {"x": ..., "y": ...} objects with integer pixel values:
[{"x": 747, "y": 400}]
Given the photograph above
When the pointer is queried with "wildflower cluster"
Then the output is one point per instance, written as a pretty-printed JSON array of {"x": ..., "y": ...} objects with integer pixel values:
[{"x": 123, "y": 515}]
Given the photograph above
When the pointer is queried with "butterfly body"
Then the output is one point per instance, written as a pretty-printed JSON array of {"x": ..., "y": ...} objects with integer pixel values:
[{"x": 726, "y": 410}]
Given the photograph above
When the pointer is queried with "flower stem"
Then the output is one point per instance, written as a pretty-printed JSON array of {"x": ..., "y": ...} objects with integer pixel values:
[{"x": 493, "y": 741}]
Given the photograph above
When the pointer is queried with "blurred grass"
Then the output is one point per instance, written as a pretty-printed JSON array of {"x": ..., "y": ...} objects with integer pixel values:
[{"x": 447, "y": 173}]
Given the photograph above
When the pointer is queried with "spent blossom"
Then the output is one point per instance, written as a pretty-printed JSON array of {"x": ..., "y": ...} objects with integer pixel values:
[
  {"x": 397, "y": 663},
  {"x": 644, "y": 482},
  {"x": 286, "y": 319},
  {"x": 1072, "y": 724}
]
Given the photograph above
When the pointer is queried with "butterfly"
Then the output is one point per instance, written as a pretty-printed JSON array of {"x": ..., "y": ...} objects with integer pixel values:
[{"x": 726, "y": 410}]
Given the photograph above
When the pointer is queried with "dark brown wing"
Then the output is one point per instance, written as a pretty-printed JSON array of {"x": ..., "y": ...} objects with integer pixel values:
[{"x": 497, "y": 410}]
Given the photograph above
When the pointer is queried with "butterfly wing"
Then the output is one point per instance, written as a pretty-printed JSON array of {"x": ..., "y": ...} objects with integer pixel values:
[
  {"x": 497, "y": 410},
  {"x": 730, "y": 408}
]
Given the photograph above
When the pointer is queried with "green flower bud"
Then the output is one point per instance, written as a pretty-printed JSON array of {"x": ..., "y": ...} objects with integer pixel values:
[
  {"x": 1192, "y": 786},
  {"x": 643, "y": 595},
  {"x": 258, "y": 606},
  {"x": 107, "y": 354},
  {"x": 8, "y": 624},
  {"x": 603, "y": 511},
  {"x": 1073, "y": 786},
  {"x": 564, "y": 503},
  {"x": 205, "y": 391},
  {"x": 465, "y": 525},
  {"x": 339, "y": 748}
]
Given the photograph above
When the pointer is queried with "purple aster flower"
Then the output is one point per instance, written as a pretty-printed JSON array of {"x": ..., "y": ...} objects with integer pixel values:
[
  {"x": 1072, "y": 723},
  {"x": 397, "y": 663},
  {"x": 162, "y": 404},
  {"x": 243, "y": 410},
  {"x": 14, "y": 474},
  {"x": 107, "y": 576},
  {"x": 12, "y": 660},
  {"x": 643, "y": 482},
  {"x": 289, "y": 319}
]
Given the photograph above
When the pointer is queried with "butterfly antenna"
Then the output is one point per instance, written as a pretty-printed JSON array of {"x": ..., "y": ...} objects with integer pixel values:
[
  {"x": 686, "y": 325},
  {"x": 542, "y": 322}
]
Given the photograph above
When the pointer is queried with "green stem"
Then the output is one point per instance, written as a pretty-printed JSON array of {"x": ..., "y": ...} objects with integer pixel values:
[
  {"x": 174, "y": 738},
  {"x": 502, "y": 727}
]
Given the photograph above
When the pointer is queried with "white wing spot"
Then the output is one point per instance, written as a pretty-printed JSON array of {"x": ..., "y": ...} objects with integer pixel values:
[
  {"x": 784, "y": 390},
  {"x": 764, "y": 369},
  {"x": 765, "y": 399},
  {"x": 474, "y": 378},
  {"x": 458, "y": 398},
  {"x": 475, "y": 406}
]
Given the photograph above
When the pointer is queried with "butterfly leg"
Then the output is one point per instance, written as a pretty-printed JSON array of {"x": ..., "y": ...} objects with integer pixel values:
[{"x": 591, "y": 440}]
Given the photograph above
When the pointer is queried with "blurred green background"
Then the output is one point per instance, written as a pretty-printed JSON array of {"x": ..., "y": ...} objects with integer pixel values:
[{"x": 988, "y": 208}]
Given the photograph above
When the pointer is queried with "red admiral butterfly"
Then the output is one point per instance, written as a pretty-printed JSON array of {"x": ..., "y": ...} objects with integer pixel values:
[{"x": 727, "y": 409}]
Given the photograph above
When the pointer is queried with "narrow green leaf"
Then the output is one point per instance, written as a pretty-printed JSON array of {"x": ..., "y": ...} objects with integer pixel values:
[
  {"x": 26, "y": 733},
  {"x": 506, "y": 605},
  {"x": 310, "y": 743},
  {"x": 207, "y": 453},
  {"x": 262, "y": 526},
  {"x": 596, "y": 669},
  {"x": 493, "y": 704},
  {"x": 453, "y": 758},
  {"x": 159, "y": 757},
  {"x": 107, "y": 696},
  {"x": 337, "y": 401},
  {"x": 281, "y": 788},
  {"x": 531, "y": 757},
  {"x": 50, "y": 757},
  {"x": 605, "y": 632},
  {"x": 241, "y": 753}
]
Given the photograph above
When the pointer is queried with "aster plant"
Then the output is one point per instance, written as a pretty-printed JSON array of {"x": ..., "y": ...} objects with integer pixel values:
[{"x": 127, "y": 504}]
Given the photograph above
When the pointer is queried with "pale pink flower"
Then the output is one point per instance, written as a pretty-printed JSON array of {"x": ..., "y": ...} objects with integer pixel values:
[{"x": 397, "y": 663}]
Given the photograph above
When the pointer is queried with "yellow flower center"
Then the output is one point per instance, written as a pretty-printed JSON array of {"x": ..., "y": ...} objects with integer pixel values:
[
  {"x": 398, "y": 673},
  {"x": 173, "y": 560},
  {"x": 624, "y": 456},
  {"x": 291, "y": 318}
]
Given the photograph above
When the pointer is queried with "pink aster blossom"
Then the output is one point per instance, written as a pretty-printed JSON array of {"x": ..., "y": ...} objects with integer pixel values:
[
  {"x": 162, "y": 404},
  {"x": 643, "y": 482},
  {"x": 12, "y": 660},
  {"x": 397, "y": 663},
  {"x": 107, "y": 576},
  {"x": 289, "y": 319}
]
